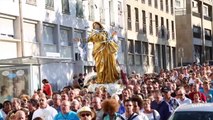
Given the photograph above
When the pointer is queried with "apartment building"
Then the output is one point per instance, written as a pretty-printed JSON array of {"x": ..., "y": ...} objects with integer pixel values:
[
  {"x": 151, "y": 35},
  {"x": 194, "y": 30},
  {"x": 40, "y": 39}
]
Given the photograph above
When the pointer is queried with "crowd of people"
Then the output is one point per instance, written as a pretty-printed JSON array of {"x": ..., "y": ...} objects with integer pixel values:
[{"x": 145, "y": 97}]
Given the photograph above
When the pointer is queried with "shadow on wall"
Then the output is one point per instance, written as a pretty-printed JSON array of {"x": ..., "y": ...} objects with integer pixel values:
[
  {"x": 58, "y": 74},
  {"x": 151, "y": 53}
]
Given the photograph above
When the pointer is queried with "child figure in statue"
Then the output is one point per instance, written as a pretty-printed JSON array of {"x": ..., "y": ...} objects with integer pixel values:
[{"x": 104, "y": 54}]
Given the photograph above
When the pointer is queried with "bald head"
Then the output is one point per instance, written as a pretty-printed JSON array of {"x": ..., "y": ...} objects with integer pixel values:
[{"x": 20, "y": 115}]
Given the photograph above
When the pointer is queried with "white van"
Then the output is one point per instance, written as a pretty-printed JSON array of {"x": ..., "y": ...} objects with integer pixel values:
[{"x": 199, "y": 111}]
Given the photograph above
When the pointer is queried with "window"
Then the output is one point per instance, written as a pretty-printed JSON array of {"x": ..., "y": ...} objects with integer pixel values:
[
  {"x": 129, "y": 25},
  {"x": 156, "y": 24},
  {"x": 209, "y": 55},
  {"x": 65, "y": 6},
  {"x": 194, "y": 4},
  {"x": 144, "y": 21},
  {"x": 205, "y": 11},
  {"x": 143, "y": 1},
  {"x": 131, "y": 46},
  {"x": 49, "y": 4},
  {"x": 151, "y": 54},
  {"x": 138, "y": 52},
  {"x": 78, "y": 34},
  {"x": 156, "y": 4},
  {"x": 31, "y": 2},
  {"x": 150, "y": 2},
  {"x": 64, "y": 37},
  {"x": 162, "y": 31},
  {"x": 162, "y": 21},
  {"x": 6, "y": 28},
  {"x": 138, "y": 47},
  {"x": 48, "y": 34},
  {"x": 79, "y": 9},
  {"x": 144, "y": 48},
  {"x": 150, "y": 24},
  {"x": 196, "y": 31},
  {"x": 161, "y": 5},
  {"x": 173, "y": 30},
  {"x": 167, "y": 28},
  {"x": 167, "y": 6},
  {"x": 136, "y": 20},
  {"x": 167, "y": 24},
  {"x": 65, "y": 51},
  {"x": 207, "y": 34},
  {"x": 102, "y": 12},
  {"x": 91, "y": 10},
  {"x": 145, "y": 53},
  {"x": 131, "y": 52},
  {"x": 158, "y": 56},
  {"x": 151, "y": 49},
  {"x": 172, "y": 7},
  {"x": 120, "y": 14},
  {"x": 111, "y": 13},
  {"x": 177, "y": 3},
  {"x": 29, "y": 32}
]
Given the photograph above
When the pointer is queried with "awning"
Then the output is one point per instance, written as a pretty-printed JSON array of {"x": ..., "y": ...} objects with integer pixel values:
[{"x": 33, "y": 60}]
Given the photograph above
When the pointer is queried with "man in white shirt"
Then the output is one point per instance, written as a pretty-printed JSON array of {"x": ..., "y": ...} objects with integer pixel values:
[
  {"x": 45, "y": 111},
  {"x": 182, "y": 99},
  {"x": 137, "y": 106},
  {"x": 129, "y": 113}
]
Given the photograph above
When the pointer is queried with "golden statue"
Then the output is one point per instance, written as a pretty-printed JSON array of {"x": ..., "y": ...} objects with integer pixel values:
[{"x": 104, "y": 54}]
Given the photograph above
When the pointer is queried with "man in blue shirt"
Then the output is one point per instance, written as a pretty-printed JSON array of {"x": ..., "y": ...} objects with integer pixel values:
[
  {"x": 161, "y": 106},
  {"x": 207, "y": 91},
  {"x": 66, "y": 113}
]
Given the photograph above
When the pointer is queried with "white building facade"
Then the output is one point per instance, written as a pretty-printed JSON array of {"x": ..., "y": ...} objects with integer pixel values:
[
  {"x": 39, "y": 39},
  {"x": 151, "y": 35}
]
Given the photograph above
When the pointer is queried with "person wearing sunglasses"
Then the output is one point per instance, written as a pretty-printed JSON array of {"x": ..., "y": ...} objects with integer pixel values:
[
  {"x": 182, "y": 99},
  {"x": 85, "y": 113}
]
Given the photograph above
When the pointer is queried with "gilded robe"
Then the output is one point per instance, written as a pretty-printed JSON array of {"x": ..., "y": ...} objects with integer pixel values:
[{"x": 104, "y": 52}]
